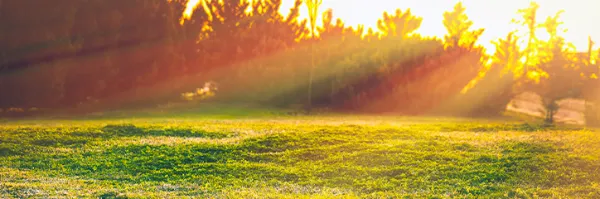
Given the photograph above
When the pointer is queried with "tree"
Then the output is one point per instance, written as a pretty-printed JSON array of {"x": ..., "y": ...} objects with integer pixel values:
[
  {"x": 563, "y": 80},
  {"x": 331, "y": 30},
  {"x": 590, "y": 93},
  {"x": 88, "y": 49},
  {"x": 400, "y": 24},
  {"x": 560, "y": 67},
  {"x": 458, "y": 26},
  {"x": 489, "y": 93},
  {"x": 371, "y": 35},
  {"x": 331, "y": 35},
  {"x": 35, "y": 49},
  {"x": 228, "y": 24},
  {"x": 529, "y": 20},
  {"x": 195, "y": 29},
  {"x": 313, "y": 11}
]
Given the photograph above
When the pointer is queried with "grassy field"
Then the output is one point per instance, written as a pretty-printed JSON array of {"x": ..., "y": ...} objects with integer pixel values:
[{"x": 296, "y": 157}]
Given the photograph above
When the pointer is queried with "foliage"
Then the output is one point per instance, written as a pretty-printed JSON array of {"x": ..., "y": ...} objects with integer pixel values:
[
  {"x": 458, "y": 26},
  {"x": 529, "y": 20},
  {"x": 95, "y": 54},
  {"x": 550, "y": 68},
  {"x": 560, "y": 67},
  {"x": 493, "y": 89},
  {"x": 399, "y": 24}
]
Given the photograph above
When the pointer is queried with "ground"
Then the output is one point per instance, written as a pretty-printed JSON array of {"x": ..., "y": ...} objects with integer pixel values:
[{"x": 296, "y": 157}]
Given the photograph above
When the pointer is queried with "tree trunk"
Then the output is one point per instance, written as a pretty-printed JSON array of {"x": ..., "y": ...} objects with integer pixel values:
[
  {"x": 332, "y": 93},
  {"x": 551, "y": 109}
]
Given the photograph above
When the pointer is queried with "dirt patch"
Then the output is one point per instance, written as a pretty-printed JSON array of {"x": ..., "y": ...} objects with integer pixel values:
[{"x": 571, "y": 111}]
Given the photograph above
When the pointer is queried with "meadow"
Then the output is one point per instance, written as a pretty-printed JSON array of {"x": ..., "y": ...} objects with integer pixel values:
[{"x": 283, "y": 156}]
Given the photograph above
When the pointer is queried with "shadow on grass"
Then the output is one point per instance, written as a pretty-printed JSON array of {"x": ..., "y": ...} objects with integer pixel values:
[
  {"x": 26, "y": 141},
  {"x": 524, "y": 127},
  {"x": 215, "y": 164},
  {"x": 112, "y": 195},
  {"x": 125, "y": 130},
  {"x": 10, "y": 149}
]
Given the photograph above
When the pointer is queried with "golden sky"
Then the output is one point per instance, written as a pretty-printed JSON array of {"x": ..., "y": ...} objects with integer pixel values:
[{"x": 493, "y": 15}]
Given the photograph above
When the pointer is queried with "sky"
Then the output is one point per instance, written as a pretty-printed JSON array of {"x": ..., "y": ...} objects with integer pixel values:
[{"x": 492, "y": 15}]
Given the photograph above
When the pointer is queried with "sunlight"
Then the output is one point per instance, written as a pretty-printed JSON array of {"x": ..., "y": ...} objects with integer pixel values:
[
  {"x": 189, "y": 8},
  {"x": 493, "y": 15},
  {"x": 247, "y": 99}
]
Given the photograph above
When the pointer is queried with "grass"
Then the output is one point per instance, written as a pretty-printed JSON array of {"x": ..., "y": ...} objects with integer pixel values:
[{"x": 296, "y": 157}]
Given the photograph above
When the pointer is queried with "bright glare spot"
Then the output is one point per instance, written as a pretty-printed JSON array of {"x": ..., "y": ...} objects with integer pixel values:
[
  {"x": 488, "y": 63},
  {"x": 534, "y": 75},
  {"x": 208, "y": 90},
  {"x": 189, "y": 8}
]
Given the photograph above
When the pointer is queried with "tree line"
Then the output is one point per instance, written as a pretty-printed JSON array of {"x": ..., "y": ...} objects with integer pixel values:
[{"x": 64, "y": 53}]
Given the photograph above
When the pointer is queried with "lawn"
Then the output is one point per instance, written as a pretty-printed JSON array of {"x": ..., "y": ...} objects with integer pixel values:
[{"x": 296, "y": 157}]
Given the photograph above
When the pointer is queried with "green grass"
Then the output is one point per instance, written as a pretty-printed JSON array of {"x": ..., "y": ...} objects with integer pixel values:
[{"x": 296, "y": 157}]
